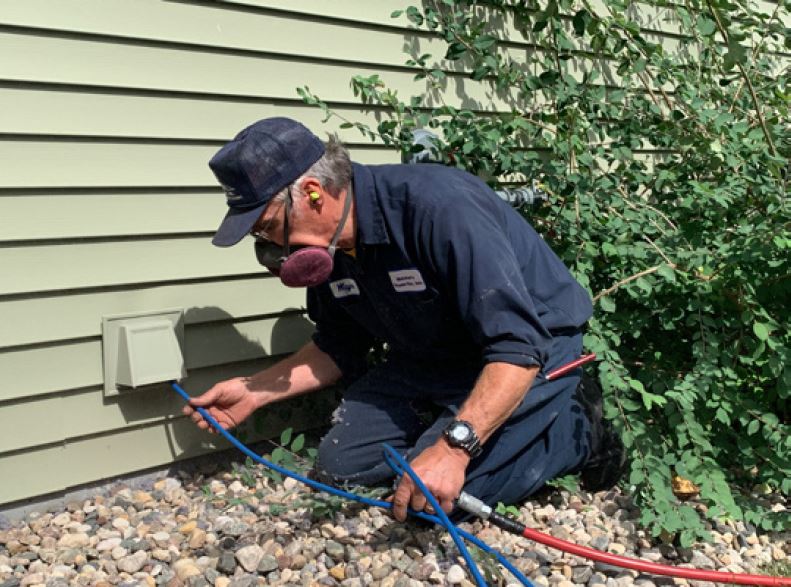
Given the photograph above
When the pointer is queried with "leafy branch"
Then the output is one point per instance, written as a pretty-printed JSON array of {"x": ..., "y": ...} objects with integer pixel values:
[{"x": 747, "y": 80}]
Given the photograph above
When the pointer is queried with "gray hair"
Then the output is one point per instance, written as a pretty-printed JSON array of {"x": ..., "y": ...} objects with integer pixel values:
[{"x": 333, "y": 169}]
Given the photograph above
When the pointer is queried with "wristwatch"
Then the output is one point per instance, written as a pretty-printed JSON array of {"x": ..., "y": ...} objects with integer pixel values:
[{"x": 460, "y": 433}]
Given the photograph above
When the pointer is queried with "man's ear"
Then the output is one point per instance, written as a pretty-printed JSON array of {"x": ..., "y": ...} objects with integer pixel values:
[{"x": 313, "y": 190}]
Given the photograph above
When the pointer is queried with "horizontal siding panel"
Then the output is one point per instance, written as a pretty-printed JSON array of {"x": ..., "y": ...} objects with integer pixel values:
[
  {"x": 83, "y": 460},
  {"x": 50, "y": 369},
  {"x": 230, "y": 27},
  {"x": 214, "y": 343},
  {"x": 93, "y": 113},
  {"x": 659, "y": 23},
  {"x": 78, "y": 315},
  {"x": 356, "y": 10},
  {"x": 65, "y": 60},
  {"x": 59, "y": 467},
  {"x": 234, "y": 25},
  {"x": 659, "y": 20},
  {"x": 223, "y": 28},
  {"x": 221, "y": 25},
  {"x": 104, "y": 164},
  {"x": 43, "y": 164},
  {"x": 78, "y": 265},
  {"x": 79, "y": 364},
  {"x": 64, "y": 216},
  {"x": 113, "y": 64},
  {"x": 664, "y": 19},
  {"x": 136, "y": 449},
  {"x": 34, "y": 473},
  {"x": 378, "y": 13},
  {"x": 207, "y": 25},
  {"x": 39, "y": 420}
]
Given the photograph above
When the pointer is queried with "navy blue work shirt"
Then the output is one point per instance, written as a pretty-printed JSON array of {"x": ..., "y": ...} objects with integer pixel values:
[{"x": 446, "y": 273}]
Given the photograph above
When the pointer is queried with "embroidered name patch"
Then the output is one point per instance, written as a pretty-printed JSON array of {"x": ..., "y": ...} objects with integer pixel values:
[
  {"x": 344, "y": 287},
  {"x": 407, "y": 280}
]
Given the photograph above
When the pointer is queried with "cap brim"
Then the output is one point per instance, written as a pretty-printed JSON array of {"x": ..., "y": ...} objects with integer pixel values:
[{"x": 236, "y": 225}]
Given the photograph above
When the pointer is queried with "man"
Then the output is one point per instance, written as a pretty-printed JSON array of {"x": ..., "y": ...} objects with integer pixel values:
[{"x": 473, "y": 306}]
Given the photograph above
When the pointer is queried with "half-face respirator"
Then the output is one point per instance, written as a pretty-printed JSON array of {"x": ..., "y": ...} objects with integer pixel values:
[{"x": 301, "y": 266}]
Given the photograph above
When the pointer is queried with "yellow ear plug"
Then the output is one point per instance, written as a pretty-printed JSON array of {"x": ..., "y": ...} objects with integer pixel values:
[{"x": 314, "y": 196}]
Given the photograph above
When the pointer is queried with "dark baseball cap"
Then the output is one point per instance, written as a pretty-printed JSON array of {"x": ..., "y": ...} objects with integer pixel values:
[{"x": 259, "y": 162}]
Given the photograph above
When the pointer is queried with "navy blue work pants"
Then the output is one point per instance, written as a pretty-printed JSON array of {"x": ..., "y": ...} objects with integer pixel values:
[{"x": 408, "y": 407}]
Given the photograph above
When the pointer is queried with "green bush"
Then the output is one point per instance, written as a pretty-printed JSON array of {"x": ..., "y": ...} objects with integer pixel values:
[{"x": 666, "y": 162}]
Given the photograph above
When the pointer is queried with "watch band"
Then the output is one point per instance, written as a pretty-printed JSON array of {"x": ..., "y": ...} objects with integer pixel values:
[{"x": 474, "y": 448}]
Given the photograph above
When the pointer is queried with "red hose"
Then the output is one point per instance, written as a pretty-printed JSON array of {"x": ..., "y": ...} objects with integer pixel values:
[
  {"x": 622, "y": 561},
  {"x": 563, "y": 369},
  {"x": 655, "y": 568}
]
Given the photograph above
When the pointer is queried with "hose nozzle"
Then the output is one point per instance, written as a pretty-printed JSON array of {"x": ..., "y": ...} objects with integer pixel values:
[{"x": 474, "y": 506}]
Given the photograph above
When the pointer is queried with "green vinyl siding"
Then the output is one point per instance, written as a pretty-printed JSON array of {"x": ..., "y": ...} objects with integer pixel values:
[
  {"x": 53, "y": 317},
  {"x": 109, "y": 111},
  {"x": 133, "y": 448},
  {"x": 90, "y": 112}
]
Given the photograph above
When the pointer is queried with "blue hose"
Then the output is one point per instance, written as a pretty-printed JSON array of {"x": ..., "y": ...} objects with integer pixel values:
[
  {"x": 449, "y": 526},
  {"x": 400, "y": 467}
]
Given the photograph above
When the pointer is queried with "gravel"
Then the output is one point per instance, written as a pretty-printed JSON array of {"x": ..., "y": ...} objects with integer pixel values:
[{"x": 196, "y": 529}]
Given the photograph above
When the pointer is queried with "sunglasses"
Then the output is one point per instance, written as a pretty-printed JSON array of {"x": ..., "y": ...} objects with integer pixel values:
[{"x": 269, "y": 254}]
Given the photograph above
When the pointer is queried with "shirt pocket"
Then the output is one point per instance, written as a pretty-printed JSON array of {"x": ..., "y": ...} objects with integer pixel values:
[
  {"x": 363, "y": 310},
  {"x": 414, "y": 319}
]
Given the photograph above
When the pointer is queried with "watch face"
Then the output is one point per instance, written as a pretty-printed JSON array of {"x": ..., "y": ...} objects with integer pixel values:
[{"x": 460, "y": 433}]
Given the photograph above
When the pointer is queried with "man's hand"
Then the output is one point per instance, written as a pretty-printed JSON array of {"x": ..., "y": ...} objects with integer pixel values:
[
  {"x": 497, "y": 393},
  {"x": 229, "y": 402},
  {"x": 442, "y": 469}
]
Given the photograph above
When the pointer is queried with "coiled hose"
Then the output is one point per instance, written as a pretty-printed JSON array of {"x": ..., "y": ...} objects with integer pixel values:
[
  {"x": 393, "y": 456},
  {"x": 477, "y": 507}
]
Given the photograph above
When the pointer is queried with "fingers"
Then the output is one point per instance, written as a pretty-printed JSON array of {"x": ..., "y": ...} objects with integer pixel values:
[
  {"x": 204, "y": 425},
  {"x": 207, "y": 398},
  {"x": 409, "y": 496},
  {"x": 447, "y": 504},
  {"x": 207, "y": 401},
  {"x": 222, "y": 418},
  {"x": 200, "y": 422},
  {"x": 418, "y": 501},
  {"x": 401, "y": 498},
  {"x": 200, "y": 401}
]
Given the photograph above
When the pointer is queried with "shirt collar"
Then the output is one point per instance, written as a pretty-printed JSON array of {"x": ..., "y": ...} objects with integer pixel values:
[{"x": 370, "y": 220}]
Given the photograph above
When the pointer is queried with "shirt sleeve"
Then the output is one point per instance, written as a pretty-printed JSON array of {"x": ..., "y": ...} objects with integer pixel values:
[
  {"x": 466, "y": 245},
  {"x": 337, "y": 334}
]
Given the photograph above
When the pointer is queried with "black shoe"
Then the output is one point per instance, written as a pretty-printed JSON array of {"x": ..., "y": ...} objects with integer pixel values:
[{"x": 607, "y": 462}]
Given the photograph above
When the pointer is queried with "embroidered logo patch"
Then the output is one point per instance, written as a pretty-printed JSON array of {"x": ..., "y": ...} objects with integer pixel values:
[
  {"x": 406, "y": 280},
  {"x": 344, "y": 287},
  {"x": 231, "y": 194}
]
